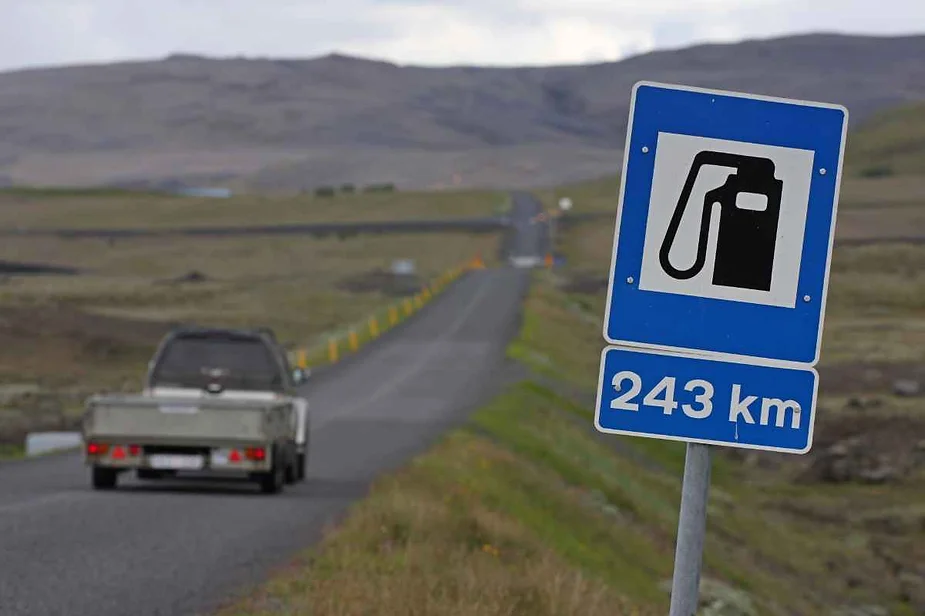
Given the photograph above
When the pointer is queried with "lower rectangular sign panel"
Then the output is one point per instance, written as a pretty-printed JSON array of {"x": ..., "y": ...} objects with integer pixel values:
[{"x": 674, "y": 396}]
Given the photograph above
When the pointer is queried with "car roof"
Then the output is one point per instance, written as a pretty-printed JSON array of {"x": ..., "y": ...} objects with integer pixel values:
[{"x": 196, "y": 331}]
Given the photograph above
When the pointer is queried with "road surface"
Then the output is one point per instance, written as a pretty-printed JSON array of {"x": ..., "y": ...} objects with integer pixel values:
[{"x": 174, "y": 548}]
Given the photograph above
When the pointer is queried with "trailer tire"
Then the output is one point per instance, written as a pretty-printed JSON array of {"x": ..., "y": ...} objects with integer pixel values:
[
  {"x": 300, "y": 466},
  {"x": 272, "y": 482},
  {"x": 104, "y": 478},
  {"x": 292, "y": 470}
]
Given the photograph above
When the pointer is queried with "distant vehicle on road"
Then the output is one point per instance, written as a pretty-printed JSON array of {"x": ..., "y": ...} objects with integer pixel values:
[{"x": 215, "y": 400}]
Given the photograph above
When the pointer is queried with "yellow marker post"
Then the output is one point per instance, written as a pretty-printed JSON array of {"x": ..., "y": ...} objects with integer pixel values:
[
  {"x": 302, "y": 361},
  {"x": 393, "y": 316},
  {"x": 426, "y": 294},
  {"x": 354, "y": 342},
  {"x": 407, "y": 305},
  {"x": 417, "y": 301},
  {"x": 374, "y": 327},
  {"x": 333, "y": 348}
]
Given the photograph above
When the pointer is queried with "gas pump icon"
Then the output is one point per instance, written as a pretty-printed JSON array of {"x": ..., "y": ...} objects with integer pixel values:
[{"x": 746, "y": 238}]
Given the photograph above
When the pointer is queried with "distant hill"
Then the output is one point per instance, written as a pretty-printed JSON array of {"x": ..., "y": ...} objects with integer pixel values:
[
  {"x": 290, "y": 124},
  {"x": 890, "y": 142}
]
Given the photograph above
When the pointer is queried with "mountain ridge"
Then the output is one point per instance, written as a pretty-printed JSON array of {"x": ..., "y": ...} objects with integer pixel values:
[{"x": 294, "y": 124}]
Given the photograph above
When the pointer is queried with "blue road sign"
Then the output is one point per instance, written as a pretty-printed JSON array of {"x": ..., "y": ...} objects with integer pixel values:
[
  {"x": 725, "y": 223},
  {"x": 673, "y": 396}
]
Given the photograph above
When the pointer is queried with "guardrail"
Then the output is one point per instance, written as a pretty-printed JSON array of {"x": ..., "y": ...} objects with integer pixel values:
[{"x": 340, "y": 345}]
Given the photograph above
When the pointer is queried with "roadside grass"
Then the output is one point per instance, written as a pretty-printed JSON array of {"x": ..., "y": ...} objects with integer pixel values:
[
  {"x": 526, "y": 506},
  {"x": 11, "y": 451},
  {"x": 528, "y": 498},
  {"x": 484, "y": 525},
  {"x": 46, "y": 209}
]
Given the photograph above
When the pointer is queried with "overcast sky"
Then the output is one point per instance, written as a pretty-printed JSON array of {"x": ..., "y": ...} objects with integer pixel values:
[{"x": 488, "y": 32}]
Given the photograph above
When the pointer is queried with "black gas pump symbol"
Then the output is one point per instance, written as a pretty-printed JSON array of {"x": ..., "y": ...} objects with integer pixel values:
[{"x": 746, "y": 238}]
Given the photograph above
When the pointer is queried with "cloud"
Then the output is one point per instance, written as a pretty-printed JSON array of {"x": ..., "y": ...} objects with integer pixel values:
[{"x": 494, "y": 32}]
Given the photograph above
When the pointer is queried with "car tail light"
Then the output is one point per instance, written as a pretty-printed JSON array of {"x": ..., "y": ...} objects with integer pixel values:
[
  {"x": 97, "y": 449},
  {"x": 134, "y": 450},
  {"x": 256, "y": 453},
  {"x": 118, "y": 453},
  {"x": 234, "y": 456}
]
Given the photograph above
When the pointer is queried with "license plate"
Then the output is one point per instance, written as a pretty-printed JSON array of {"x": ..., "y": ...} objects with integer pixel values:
[
  {"x": 175, "y": 462},
  {"x": 178, "y": 409}
]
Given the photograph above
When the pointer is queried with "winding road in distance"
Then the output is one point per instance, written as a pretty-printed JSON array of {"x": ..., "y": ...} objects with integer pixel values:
[{"x": 177, "y": 548}]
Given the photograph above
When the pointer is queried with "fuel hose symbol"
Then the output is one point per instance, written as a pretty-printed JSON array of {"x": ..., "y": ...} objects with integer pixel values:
[{"x": 746, "y": 238}]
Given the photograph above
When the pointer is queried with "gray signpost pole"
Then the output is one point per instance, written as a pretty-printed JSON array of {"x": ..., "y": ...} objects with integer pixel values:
[{"x": 685, "y": 585}]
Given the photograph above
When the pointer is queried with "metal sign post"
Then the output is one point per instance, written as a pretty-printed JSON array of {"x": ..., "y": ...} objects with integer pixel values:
[
  {"x": 688, "y": 557},
  {"x": 714, "y": 329}
]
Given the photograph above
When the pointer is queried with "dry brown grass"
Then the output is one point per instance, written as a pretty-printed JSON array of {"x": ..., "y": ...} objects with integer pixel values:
[
  {"x": 73, "y": 336},
  {"x": 881, "y": 223},
  {"x": 876, "y": 305},
  {"x": 294, "y": 285},
  {"x": 891, "y": 141},
  {"x": 43, "y": 210},
  {"x": 857, "y": 193},
  {"x": 882, "y": 192}
]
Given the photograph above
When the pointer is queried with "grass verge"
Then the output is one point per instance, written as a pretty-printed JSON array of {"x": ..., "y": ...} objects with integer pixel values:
[{"x": 528, "y": 511}]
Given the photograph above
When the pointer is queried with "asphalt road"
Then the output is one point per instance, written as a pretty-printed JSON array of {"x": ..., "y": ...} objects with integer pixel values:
[{"x": 175, "y": 548}]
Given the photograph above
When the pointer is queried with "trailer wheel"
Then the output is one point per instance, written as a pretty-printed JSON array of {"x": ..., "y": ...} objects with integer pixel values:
[
  {"x": 104, "y": 478},
  {"x": 301, "y": 466},
  {"x": 292, "y": 471},
  {"x": 272, "y": 481}
]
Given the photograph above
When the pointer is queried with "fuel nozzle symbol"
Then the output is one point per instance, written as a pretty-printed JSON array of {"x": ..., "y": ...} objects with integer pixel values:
[{"x": 747, "y": 237}]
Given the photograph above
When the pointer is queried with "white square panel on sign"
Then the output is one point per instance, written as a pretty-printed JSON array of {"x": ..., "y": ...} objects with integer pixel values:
[{"x": 749, "y": 245}]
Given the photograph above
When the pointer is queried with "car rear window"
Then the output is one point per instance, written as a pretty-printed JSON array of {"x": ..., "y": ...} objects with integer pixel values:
[{"x": 234, "y": 362}]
